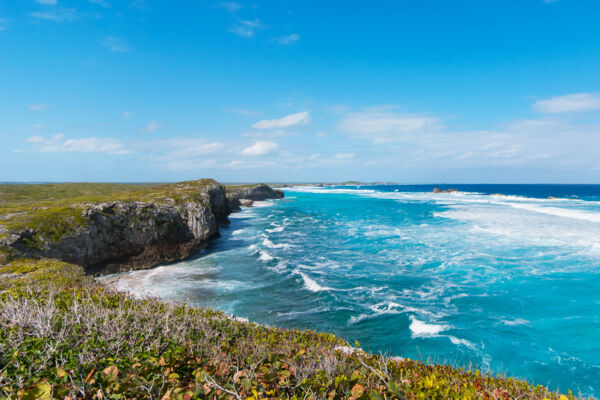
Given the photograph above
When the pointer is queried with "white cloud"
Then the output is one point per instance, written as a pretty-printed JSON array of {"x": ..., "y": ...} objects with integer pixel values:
[
  {"x": 2, "y": 24},
  {"x": 190, "y": 164},
  {"x": 241, "y": 111},
  {"x": 151, "y": 127},
  {"x": 343, "y": 156},
  {"x": 260, "y": 148},
  {"x": 289, "y": 39},
  {"x": 34, "y": 139},
  {"x": 102, "y": 3},
  {"x": 385, "y": 126},
  {"x": 569, "y": 103},
  {"x": 185, "y": 153},
  {"x": 246, "y": 28},
  {"x": 56, "y": 15},
  {"x": 38, "y": 107},
  {"x": 126, "y": 114},
  {"x": 301, "y": 118},
  {"x": 230, "y": 6},
  {"x": 320, "y": 135},
  {"x": 115, "y": 44},
  {"x": 59, "y": 144},
  {"x": 245, "y": 164}
]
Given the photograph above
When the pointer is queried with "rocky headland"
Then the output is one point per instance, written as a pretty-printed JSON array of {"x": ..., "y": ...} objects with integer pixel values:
[{"x": 144, "y": 228}]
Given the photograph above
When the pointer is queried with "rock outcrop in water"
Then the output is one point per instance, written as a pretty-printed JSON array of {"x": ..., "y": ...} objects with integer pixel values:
[
  {"x": 120, "y": 235},
  {"x": 438, "y": 190},
  {"x": 246, "y": 195}
]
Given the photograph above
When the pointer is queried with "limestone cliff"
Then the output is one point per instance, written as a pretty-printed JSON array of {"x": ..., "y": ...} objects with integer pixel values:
[
  {"x": 254, "y": 193},
  {"x": 155, "y": 227}
]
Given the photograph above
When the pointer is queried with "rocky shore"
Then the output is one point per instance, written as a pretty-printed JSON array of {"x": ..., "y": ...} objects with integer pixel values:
[{"x": 152, "y": 227}]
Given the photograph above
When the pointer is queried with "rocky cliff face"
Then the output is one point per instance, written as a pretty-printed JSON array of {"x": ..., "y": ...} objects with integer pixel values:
[
  {"x": 254, "y": 193},
  {"x": 117, "y": 236}
]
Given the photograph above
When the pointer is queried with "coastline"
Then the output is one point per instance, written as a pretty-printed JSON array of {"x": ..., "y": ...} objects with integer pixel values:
[{"x": 354, "y": 359}]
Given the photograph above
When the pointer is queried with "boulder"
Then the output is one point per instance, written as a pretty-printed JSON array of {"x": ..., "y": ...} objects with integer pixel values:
[{"x": 438, "y": 190}]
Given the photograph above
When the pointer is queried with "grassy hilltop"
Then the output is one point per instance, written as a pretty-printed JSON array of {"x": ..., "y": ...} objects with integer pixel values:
[{"x": 62, "y": 335}]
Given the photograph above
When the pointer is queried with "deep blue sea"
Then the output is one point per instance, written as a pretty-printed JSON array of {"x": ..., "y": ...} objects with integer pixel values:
[{"x": 505, "y": 283}]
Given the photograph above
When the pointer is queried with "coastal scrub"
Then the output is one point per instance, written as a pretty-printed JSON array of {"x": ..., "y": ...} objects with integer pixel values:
[{"x": 64, "y": 336}]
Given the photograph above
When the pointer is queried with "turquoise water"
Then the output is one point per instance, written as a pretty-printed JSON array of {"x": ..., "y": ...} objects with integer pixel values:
[{"x": 509, "y": 284}]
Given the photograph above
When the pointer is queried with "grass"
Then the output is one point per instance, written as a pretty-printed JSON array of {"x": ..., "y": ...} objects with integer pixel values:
[
  {"x": 53, "y": 211},
  {"x": 64, "y": 336}
]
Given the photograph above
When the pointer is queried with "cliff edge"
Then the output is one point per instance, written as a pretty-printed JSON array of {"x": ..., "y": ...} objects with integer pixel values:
[{"x": 120, "y": 231}]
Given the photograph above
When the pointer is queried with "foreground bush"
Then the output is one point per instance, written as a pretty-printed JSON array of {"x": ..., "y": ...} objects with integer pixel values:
[{"x": 85, "y": 341}]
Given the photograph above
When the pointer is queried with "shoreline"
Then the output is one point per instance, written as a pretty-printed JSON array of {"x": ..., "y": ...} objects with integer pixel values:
[{"x": 346, "y": 350}]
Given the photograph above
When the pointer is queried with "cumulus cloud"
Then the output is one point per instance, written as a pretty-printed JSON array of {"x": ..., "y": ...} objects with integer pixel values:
[
  {"x": 570, "y": 103},
  {"x": 59, "y": 144},
  {"x": 385, "y": 126},
  {"x": 116, "y": 44},
  {"x": 289, "y": 39},
  {"x": 260, "y": 148},
  {"x": 301, "y": 118},
  {"x": 246, "y": 28},
  {"x": 150, "y": 127}
]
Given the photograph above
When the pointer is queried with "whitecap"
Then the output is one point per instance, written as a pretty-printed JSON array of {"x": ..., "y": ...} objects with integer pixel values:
[
  {"x": 311, "y": 284},
  {"x": 264, "y": 256},
  {"x": 268, "y": 243},
  {"x": 559, "y": 212},
  {"x": 276, "y": 229},
  {"x": 423, "y": 329},
  {"x": 462, "y": 342},
  {"x": 515, "y": 322}
]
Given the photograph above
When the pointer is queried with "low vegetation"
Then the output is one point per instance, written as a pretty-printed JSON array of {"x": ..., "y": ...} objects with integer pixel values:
[
  {"x": 64, "y": 336},
  {"x": 53, "y": 211}
]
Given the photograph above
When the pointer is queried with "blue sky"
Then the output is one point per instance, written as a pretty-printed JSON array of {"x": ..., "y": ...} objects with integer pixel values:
[{"x": 407, "y": 91}]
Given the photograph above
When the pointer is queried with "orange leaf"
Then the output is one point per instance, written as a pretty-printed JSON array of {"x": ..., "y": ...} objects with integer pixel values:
[{"x": 112, "y": 370}]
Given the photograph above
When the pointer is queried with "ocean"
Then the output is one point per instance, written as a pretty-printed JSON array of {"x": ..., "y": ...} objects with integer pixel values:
[{"x": 504, "y": 283}]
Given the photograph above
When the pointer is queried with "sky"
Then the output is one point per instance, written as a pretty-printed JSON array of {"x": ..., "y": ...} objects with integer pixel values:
[{"x": 421, "y": 91}]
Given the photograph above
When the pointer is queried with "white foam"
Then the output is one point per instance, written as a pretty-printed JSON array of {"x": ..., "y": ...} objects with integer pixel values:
[
  {"x": 268, "y": 243},
  {"x": 264, "y": 256},
  {"x": 260, "y": 204},
  {"x": 462, "y": 342},
  {"x": 327, "y": 190},
  {"x": 559, "y": 212},
  {"x": 353, "y": 320},
  {"x": 515, "y": 322},
  {"x": 422, "y": 329},
  {"x": 311, "y": 284},
  {"x": 276, "y": 229},
  {"x": 237, "y": 232}
]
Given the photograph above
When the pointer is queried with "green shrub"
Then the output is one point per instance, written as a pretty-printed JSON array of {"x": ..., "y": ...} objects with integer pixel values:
[{"x": 85, "y": 341}]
